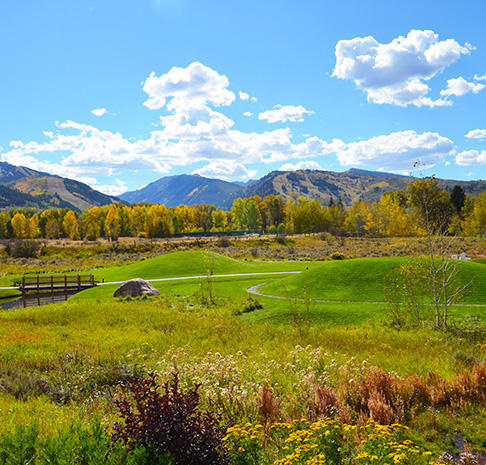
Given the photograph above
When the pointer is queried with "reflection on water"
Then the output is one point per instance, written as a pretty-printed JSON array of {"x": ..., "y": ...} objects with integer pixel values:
[{"x": 34, "y": 300}]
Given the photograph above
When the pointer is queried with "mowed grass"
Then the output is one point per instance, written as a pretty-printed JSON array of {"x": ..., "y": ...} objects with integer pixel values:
[
  {"x": 354, "y": 287},
  {"x": 191, "y": 263},
  {"x": 185, "y": 264},
  {"x": 363, "y": 280}
]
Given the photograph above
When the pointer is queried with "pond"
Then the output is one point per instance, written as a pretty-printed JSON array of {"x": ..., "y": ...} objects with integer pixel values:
[{"x": 35, "y": 299}]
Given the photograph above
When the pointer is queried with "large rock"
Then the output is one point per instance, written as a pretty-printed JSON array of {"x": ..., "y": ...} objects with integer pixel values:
[{"x": 135, "y": 287}]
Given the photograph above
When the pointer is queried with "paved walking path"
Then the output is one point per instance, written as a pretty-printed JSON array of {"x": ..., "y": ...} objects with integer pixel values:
[
  {"x": 254, "y": 290},
  {"x": 186, "y": 277}
]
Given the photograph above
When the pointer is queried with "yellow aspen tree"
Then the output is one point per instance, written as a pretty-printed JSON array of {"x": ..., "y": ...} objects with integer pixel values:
[
  {"x": 19, "y": 225},
  {"x": 71, "y": 225},
  {"x": 111, "y": 225},
  {"x": 53, "y": 230}
]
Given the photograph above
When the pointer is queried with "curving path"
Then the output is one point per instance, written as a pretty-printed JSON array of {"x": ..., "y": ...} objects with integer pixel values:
[{"x": 254, "y": 290}]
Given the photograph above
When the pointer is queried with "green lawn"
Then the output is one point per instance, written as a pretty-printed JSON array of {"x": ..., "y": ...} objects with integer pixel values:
[{"x": 362, "y": 280}]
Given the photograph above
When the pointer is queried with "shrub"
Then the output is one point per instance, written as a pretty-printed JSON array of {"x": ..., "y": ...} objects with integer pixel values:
[
  {"x": 337, "y": 256},
  {"x": 224, "y": 241},
  {"x": 23, "y": 249},
  {"x": 22, "y": 385},
  {"x": 252, "y": 304},
  {"x": 170, "y": 424}
]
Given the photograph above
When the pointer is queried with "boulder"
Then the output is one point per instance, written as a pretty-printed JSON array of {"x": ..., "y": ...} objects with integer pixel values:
[{"x": 135, "y": 287}]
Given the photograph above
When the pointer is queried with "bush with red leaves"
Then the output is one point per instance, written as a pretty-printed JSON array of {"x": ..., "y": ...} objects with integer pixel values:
[{"x": 170, "y": 423}]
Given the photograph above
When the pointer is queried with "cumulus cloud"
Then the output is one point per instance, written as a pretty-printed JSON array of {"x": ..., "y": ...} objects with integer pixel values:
[
  {"x": 243, "y": 96},
  {"x": 476, "y": 134},
  {"x": 302, "y": 165},
  {"x": 195, "y": 85},
  {"x": 460, "y": 87},
  {"x": 281, "y": 114},
  {"x": 479, "y": 78},
  {"x": 471, "y": 157},
  {"x": 398, "y": 151},
  {"x": 394, "y": 73},
  {"x": 191, "y": 131},
  {"x": 225, "y": 170},
  {"x": 248, "y": 113},
  {"x": 99, "y": 111},
  {"x": 115, "y": 190}
]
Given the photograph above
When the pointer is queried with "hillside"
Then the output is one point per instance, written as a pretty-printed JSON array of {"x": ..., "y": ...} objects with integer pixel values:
[
  {"x": 42, "y": 190},
  {"x": 185, "y": 189},
  {"x": 12, "y": 198},
  {"x": 350, "y": 186}
]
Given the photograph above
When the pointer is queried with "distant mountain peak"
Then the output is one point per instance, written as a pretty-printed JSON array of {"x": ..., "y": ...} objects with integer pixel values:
[{"x": 184, "y": 189}]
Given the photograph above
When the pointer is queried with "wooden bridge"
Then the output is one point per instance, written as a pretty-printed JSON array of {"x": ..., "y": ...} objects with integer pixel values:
[{"x": 56, "y": 283}]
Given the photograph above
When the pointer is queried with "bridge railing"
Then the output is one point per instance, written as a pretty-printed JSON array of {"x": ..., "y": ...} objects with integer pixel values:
[{"x": 56, "y": 282}]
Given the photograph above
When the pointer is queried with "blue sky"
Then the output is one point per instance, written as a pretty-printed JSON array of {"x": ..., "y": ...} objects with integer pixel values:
[{"x": 120, "y": 93}]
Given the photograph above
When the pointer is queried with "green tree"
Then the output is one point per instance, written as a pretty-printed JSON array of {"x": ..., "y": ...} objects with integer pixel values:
[
  {"x": 4, "y": 222},
  {"x": 458, "y": 198},
  {"x": 253, "y": 217},
  {"x": 238, "y": 212}
]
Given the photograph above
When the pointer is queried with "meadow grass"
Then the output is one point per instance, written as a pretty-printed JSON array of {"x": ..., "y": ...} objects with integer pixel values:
[{"x": 84, "y": 348}]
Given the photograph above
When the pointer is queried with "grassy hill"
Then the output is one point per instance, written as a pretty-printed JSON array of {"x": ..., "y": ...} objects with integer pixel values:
[{"x": 362, "y": 280}]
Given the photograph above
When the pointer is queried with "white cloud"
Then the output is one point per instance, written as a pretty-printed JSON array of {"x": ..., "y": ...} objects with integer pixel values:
[
  {"x": 479, "y": 78},
  {"x": 398, "y": 151},
  {"x": 281, "y": 114},
  {"x": 460, "y": 87},
  {"x": 225, "y": 170},
  {"x": 394, "y": 73},
  {"x": 302, "y": 165},
  {"x": 114, "y": 190},
  {"x": 253, "y": 99},
  {"x": 248, "y": 113},
  {"x": 476, "y": 134},
  {"x": 193, "y": 86},
  {"x": 244, "y": 96},
  {"x": 191, "y": 132},
  {"x": 471, "y": 157},
  {"x": 99, "y": 111}
]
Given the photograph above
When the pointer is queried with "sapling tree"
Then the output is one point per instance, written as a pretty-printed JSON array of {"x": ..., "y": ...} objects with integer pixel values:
[{"x": 433, "y": 210}]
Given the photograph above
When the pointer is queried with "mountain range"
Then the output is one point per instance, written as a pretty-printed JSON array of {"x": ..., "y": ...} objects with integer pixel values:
[
  {"x": 27, "y": 188},
  {"x": 22, "y": 187},
  {"x": 185, "y": 189},
  {"x": 350, "y": 186}
]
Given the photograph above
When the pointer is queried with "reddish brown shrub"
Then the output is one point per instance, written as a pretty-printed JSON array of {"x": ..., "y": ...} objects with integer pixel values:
[
  {"x": 379, "y": 410},
  {"x": 327, "y": 404},
  {"x": 269, "y": 407}
]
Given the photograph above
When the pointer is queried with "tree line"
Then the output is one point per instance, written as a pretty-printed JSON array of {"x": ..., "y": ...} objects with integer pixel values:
[{"x": 395, "y": 214}]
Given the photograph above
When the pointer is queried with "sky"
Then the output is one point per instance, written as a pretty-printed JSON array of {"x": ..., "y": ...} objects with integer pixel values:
[{"x": 118, "y": 94}]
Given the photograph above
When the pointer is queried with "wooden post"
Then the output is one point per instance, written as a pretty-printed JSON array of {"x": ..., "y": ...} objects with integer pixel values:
[
  {"x": 52, "y": 283},
  {"x": 37, "y": 283},
  {"x": 65, "y": 283},
  {"x": 79, "y": 282}
]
